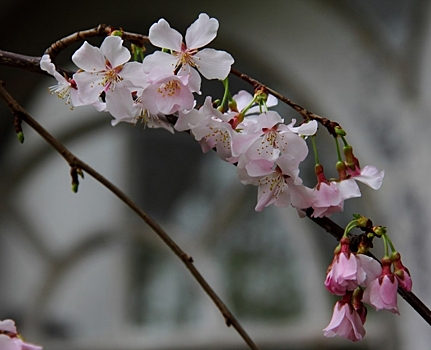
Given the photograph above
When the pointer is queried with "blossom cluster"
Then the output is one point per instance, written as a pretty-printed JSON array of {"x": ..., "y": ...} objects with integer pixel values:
[
  {"x": 348, "y": 275},
  {"x": 11, "y": 340},
  {"x": 242, "y": 130},
  {"x": 267, "y": 152}
]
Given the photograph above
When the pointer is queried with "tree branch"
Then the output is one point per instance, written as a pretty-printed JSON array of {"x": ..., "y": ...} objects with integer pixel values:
[
  {"x": 32, "y": 64},
  {"x": 75, "y": 162}
]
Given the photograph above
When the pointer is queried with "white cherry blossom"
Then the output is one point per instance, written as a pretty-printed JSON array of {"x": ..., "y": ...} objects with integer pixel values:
[
  {"x": 104, "y": 69},
  {"x": 212, "y": 64}
]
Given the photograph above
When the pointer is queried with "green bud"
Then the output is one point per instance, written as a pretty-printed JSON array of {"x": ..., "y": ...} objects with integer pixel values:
[
  {"x": 117, "y": 33},
  {"x": 379, "y": 231},
  {"x": 20, "y": 136},
  {"x": 363, "y": 221},
  {"x": 75, "y": 187},
  {"x": 339, "y": 131}
]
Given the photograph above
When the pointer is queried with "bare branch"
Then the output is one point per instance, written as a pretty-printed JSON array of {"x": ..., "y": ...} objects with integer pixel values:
[{"x": 100, "y": 30}]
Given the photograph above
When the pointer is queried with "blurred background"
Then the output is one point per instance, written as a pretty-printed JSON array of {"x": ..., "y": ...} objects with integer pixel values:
[{"x": 80, "y": 271}]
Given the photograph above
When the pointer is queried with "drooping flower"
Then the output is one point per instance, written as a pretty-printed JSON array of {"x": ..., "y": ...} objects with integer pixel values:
[
  {"x": 346, "y": 322},
  {"x": 329, "y": 196},
  {"x": 212, "y": 64},
  {"x": 382, "y": 292},
  {"x": 349, "y": 270}
]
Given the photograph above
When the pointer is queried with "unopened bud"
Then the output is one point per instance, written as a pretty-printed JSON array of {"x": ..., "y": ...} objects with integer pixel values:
[
  {"x": 339, "y": 131},
  {"x": 379, "y": 230},
  {"x": 20, "y": 136},
  {"x": 233, "y": 106},
  {"x": 117, "y": 32}
]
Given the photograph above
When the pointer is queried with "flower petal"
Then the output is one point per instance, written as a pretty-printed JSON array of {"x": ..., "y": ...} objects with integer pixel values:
[
  {"x": 162, "y": 35},
  {"x": 114, "y": 51},
  {"x": 160, "y": 62},
  {"x": 201, "y": 32},
  {"x": 89, "y": 58},
  {"x": 213, "y": 64}
]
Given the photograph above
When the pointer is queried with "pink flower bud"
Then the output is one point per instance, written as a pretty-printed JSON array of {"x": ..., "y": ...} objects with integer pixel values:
[
  {"x": 401, "y": 272},
  {"x": 349, "y": 270}
]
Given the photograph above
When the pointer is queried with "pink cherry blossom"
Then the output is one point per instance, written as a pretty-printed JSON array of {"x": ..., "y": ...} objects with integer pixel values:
[
  {"x": 329, "y": 196},
  {"x": 345, "y": 322},
  {"x": 277, "y": 178},
  {"x": 266, "y": 134},
  {"x": 382, "y": 292},
  {"x": 167, "y": 94},
  {"x": 348, "y": 270},
  {"x": 210, "y": 127},
  {"x": 212, "y": 64}
]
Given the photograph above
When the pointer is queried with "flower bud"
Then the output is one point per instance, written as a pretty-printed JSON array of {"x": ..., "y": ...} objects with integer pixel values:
[{"x": 401, "y": 272}]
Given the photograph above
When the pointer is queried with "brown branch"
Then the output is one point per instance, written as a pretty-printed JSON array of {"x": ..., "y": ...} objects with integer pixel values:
[
  {"x": 75, "y": 163},
  {"x": 307, "y": 115},
  {"x": 100, "y": 30},
  {"x": 32, "y": 64}
]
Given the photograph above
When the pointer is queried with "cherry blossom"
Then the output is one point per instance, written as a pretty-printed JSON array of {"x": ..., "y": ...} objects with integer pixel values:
[
  {"x": 277, "y": 178},
  {"x": 167, "y": 94},
  {"x": 104, "y": 69},
  {"x": 329, "y": 196},
  {"x": 66, "y": 87},
  {"x": 382, "y": 292},
  {"x": 212, "y": 64},
  {"x": 210, "y": 127},
  {"x": 266, "y": 134},
  {"x": 345, "y": 322},
  {"x": 348, "y": 270}
]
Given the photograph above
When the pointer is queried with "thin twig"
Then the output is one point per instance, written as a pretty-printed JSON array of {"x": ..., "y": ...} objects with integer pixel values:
[
  {"x": 307, "y": 115},
  {"x": 100, "y": 30},
  {"x": 74, "y": 161}
]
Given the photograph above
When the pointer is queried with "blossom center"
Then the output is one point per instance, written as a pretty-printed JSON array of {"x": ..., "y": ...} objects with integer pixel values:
[{"x": 169, "y": 89}]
